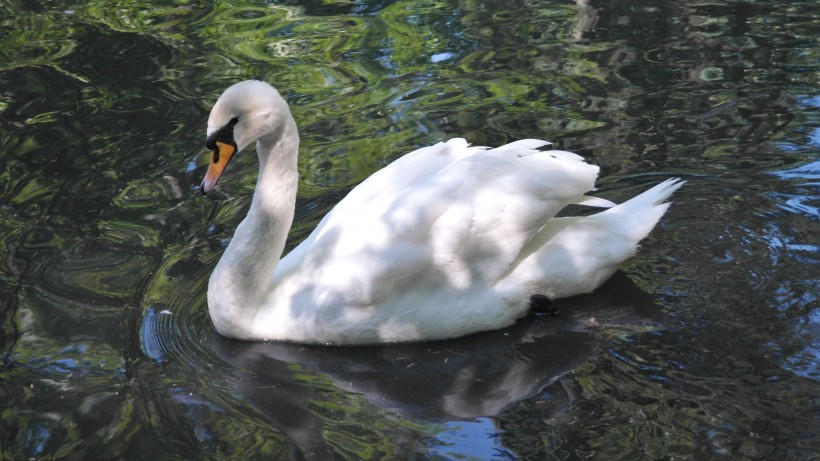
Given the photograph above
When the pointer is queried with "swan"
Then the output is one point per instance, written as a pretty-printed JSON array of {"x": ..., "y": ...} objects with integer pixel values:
[{"x": 445, "y": 241}]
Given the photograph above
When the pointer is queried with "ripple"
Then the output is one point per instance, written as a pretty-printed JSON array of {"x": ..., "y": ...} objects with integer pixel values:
[{"x": 98, "y": 271}]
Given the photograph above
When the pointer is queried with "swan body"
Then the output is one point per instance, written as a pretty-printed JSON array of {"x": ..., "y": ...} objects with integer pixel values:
[{"x": 445, "y": 241}]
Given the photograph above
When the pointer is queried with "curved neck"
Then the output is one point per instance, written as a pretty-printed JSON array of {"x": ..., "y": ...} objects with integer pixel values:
[{"x": 243, "y": 274}]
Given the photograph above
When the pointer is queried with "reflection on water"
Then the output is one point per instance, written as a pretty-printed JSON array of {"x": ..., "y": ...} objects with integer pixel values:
[
  {"x": 475, "y": 376},
  {"x": 705, "y": 346}
]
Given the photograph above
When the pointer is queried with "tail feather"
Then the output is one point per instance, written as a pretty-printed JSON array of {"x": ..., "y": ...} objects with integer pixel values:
[
  {"x": 594, "y": 202},
  {"x": 576, "y": 254},
  {"x": 636, "y": 217}
]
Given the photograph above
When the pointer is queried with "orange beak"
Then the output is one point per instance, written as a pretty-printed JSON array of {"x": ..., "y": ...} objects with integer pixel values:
[{"x": 219, "y": 161}]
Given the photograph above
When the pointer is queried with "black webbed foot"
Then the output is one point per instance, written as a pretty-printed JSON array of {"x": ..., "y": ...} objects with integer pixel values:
[{"x": 540, "y": 304}]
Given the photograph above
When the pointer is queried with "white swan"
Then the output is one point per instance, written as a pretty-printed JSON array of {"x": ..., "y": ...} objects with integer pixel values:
[{"x": 445, "y": 241}]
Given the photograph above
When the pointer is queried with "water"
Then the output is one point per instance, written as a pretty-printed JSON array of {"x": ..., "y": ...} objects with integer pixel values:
[{"x": 704, "y": 346}]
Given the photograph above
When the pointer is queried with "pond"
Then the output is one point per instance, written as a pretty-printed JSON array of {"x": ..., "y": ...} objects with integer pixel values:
[{"x": 703, "y": 346}]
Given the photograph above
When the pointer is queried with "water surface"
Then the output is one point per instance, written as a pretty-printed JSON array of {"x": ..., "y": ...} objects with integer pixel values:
[{"x": 704, "y": 346}]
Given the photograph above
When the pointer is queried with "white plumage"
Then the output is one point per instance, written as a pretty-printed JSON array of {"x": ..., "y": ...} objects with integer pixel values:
[{"x": 445, "y": 241}]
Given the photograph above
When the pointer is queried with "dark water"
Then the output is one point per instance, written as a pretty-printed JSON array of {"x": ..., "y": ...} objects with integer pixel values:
[{"x": 705, "y": 346}]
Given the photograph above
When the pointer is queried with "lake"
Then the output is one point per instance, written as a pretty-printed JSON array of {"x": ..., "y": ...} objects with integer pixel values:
[{"x": 706, "y": 345}]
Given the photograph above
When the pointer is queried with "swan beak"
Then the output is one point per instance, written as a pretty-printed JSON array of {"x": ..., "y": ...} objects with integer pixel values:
[{"x": 220, "y": 157}]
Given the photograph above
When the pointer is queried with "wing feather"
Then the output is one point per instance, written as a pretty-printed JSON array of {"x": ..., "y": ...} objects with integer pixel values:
[{"x": 451, "y": 209}]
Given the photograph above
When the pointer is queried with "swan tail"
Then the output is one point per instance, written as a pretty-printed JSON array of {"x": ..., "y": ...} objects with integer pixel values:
[
  {"x": 635, "y": 218},
  {"x": 574, "y": 255},
  {"x": 594, "y": 202}
]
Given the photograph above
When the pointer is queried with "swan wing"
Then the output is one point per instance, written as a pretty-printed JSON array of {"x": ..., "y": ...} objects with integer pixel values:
[
  {"x": 402, "y": 174},
  {"x": 445, "y": 216}
]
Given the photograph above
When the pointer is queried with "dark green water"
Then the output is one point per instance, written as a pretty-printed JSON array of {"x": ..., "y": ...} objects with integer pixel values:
[{"x": 705, "y": 346}]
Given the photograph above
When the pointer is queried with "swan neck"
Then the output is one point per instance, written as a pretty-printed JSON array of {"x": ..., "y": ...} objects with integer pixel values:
[
  {"x": 244, "y": 273},
  {"x": 275, "y": 195}
]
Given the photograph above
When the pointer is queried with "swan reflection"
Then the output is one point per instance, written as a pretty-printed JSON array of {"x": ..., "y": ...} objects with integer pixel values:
[{"x": 474, "y": 376}]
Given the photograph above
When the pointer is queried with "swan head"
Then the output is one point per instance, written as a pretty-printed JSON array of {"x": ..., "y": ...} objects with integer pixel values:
[{"x": 245, "y": 112}]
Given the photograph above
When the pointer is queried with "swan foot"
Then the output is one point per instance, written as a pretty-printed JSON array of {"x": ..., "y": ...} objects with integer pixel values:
[{"x": 540, "y": 304}]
